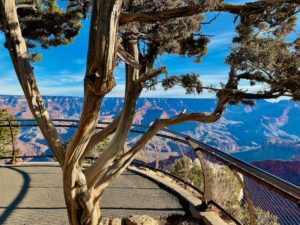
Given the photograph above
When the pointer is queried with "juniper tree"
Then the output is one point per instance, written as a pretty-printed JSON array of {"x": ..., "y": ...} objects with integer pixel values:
[{"x": 137, "y": 32}]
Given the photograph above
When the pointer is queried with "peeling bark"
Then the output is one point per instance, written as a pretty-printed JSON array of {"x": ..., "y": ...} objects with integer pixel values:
[
  {"x": 99, "y": 81},
  {"x": 18, "y": 52},
  {"x": 132, "y": 93},
  {"x": 152, "y": 17}
]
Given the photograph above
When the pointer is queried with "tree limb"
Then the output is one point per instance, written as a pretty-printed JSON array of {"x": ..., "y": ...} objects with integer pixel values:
[
  {"x": 132, "y": 92},
  {"x": 256, "y": 77},
  {"x": 186, "y": 11},
  {"x": 264, "y": 95},
  {"x": 119, "y": 166},
  {"x": 151, "y": 74},
  {"x": 23, "y": 6},
  {"x": 26, "y": 4},
  {"x": 99, "y": 136},
  {"x": 18, "y": 52},
  {"x": 212, "y": 19},
  {"x": 99, "y": 80},
  {"x": 127, "y": 58}
]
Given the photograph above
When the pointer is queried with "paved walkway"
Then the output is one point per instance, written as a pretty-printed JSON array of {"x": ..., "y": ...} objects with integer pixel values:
[{"x": 34, "y": 196}]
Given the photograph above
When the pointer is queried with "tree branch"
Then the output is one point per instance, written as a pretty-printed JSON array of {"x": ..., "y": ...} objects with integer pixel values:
[
  {"x": 264, "y": 95},
  {"x": 99, "y": 136},
  {"x": 19, "y": 55},
  {"x": 151, "y": 74},
  {"x": 191, "y": 10},
  {"x": 23, "y": 6},
  {"x": 26, "y": 4},
  {"x": 256, "y": 77},
  {"x": 99, "y": 80},
  {"x": 127, "y": 58},
  {"x": 230, "y": 92},
  {"x": 132, "y": 92},
  {"x": 119, "y": 166},
  {"x": 212, "y": 19}
]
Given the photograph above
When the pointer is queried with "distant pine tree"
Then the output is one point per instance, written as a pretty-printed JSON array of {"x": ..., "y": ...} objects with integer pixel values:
[{"x": 5, "y": 135}]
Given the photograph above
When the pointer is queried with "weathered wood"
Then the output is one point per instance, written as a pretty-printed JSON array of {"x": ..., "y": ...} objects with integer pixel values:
[
  {"x": 17, "y": 48},
  {"x": 132, "y": 93},
  {"x": 99, "y": 80},
  {"x": 151, "y": 17}
]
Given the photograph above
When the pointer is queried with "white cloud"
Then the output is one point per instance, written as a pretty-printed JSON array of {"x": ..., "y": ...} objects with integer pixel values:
[
  {"x": 221, "y": 41},
  {"x": 62, "y": 91},
  {"x": 72, "y": 85},
  {"x": 66, "y": 84},
  {"x": 10, "y": 84},
  {"x": 79, "y": 61}
]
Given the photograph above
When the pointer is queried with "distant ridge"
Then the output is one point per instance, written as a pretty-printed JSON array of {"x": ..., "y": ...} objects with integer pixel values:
[{"x": 242, "y": 128}]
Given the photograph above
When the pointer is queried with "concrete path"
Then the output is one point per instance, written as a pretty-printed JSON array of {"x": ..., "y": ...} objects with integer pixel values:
[{"x": 33, "y": 195}]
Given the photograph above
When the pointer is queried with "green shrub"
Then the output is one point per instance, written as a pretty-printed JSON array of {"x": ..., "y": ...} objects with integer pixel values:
[
  {"x": 226, "y": 189},
  {"x": 5, "y": 135}
]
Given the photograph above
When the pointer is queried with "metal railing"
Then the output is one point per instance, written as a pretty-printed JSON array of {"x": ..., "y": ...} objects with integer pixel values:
[{"x": 242, "y": 193}]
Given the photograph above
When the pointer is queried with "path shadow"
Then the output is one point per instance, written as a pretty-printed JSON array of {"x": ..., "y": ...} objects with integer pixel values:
[{"x": 24, "y": 189}]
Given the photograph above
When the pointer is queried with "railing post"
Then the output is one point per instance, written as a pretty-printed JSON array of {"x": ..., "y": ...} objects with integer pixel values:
[
  {"x": 13, "y": 160},
  {"x": 247, "y": 197},
  {"x": 208, "y": 195},
  {"x": 156, "y": 157}
]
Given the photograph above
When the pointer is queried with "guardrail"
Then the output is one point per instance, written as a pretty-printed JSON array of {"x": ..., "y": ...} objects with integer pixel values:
[{"x": 242, "y": 192}]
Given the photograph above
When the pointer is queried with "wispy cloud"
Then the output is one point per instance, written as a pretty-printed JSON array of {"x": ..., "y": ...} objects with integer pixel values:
[
  {"x": 223, "y": 41},
  {"x": 72, "y": 85},
  {"x": 79, "y": 61},
  {"x": 10, "y": 84}
]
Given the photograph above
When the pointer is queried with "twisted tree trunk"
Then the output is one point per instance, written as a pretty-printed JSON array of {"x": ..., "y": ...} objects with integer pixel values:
[
  {"x": 81, "y": 199},
  {"x": 82, "y": 203},
  {"x": 17, "y": 48}
]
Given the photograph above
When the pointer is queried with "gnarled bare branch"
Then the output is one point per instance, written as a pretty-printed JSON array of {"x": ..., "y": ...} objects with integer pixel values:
[
  {"x": 19, "y": 55},
  {"x": 26, "y": 4},
  {"x": 127, "y": 58},
  {"x": 99, "y": 136},
  {"x": 119, "y": 166},
  {"x": 151, "y": 74},
  {"x": 132, "y": 93},
  {"x": 186, "y": 11}
]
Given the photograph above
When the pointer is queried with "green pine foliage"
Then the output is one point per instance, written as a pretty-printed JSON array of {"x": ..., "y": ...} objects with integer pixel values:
[
  {"x": 5, "y": 135},
  {"x": 50, "y": 23},
  {"x": 96, "y": 151},
  {"x": 99, "y": 148},
  {"x": 190, "y": 171}
]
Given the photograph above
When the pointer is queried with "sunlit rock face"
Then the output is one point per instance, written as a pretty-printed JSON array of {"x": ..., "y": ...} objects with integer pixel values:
[{"x": 241, "y": 128}]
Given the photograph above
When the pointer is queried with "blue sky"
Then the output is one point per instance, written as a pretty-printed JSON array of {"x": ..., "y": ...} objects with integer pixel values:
[{"x": 62, "y": 69}]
